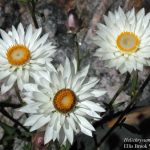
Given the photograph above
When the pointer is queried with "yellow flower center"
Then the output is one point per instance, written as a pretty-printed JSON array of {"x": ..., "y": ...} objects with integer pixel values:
[
  {"x": 64, "y": 100},
  {"x": 128, "y": 42},
  {"x": 18, "y": 54}
]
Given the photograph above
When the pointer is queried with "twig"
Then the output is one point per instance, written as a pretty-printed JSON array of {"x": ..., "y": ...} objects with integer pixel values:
[
  {"x": 6, "y": 114},
  {"x": 4, "y": 104},
  {"x": 133, "y": 101},
  {"x": 144, "y": 84}
]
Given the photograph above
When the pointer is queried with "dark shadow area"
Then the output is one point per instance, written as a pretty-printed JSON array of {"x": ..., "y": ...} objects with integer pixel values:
[{"x": 113, "y": 141}]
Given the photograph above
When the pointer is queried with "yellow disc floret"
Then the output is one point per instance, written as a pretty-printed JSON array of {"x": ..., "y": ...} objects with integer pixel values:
[
  {"x": 18, "y": 54},
  {"x": 127, "y": 42},
  {"x": 64, "y": 100}
]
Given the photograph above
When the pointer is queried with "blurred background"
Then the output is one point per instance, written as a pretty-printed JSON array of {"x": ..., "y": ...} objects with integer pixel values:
[{"x": 61, "y": 19}]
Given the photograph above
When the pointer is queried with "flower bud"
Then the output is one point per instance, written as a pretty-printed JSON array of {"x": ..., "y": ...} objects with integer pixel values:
[{"x": 72, "y": 21}]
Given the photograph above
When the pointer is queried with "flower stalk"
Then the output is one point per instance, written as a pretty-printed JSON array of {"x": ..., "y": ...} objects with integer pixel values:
[
  {"x": 134, "y": 83},
  {"x": 31, "y": 5},
  {"x": 18, "y": 94},
  {"x": 77, "y": 52},
  {"x": 133, "y": 101},
  {"x": 122, "y": 87}
]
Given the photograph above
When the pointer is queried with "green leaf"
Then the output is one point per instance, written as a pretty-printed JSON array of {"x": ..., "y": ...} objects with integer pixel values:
[
  {"x": 134, "y": 83},
  {"x": 65, "y": 147},
  {"x": 27, "y": 146},
  {"x": 8, "y": 129}
]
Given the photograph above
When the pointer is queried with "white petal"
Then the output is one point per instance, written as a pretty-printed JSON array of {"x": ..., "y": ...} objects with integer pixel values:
[
  {"x": 39, "y": 42},
  {"x": 15, "y": 34},
  {"x": 35, "y": 37},
  {"x": 72, "y": 123},
  {"x": 31, "y": 87},
  {"x": 82, "y": 74},
  {"x": 6, "y": 38},
  {"x": 67, "y": 69},
  {"x": 48, "y": 134},
  {"x": 40, "y": 97},
  {"x": 4, "y": 74},
  {"x": 53, "y": 119},
  {"x": 98, "y": 93},
  {"x": 89, "y": 112},
  {"x": 20, "y": 84},
  {"x": 85, "y": 96},
  {"x": 85, "y": 123},
  {"x": 30, "y": 108},
  {"x": 31, "y": 120},
  {"x": 85, "y": 130},
  {"x": 8, "y": 85},
  {"x": 41, "y": 122},
  {"x": 88, "y": 86},
  {"x": 68, "y": 132},
  {"x": 75, "y": 65},
  {"x": 28, "y": 35},
  {"x": 26, "y": 76},
  {"x": 21, "y": 33},
  {"x": 93, "y": 106}
]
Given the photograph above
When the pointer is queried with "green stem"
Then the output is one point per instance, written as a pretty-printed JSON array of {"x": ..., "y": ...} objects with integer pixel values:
[
  {"x": 122, "y": 87},
  {"x": 77, "y": 52},
  {"x": 18, "y": 94},
  {"x": 131, "y": 104},
  {"x": 31, "y": 6},
  {"x": 134, "y": 83}
]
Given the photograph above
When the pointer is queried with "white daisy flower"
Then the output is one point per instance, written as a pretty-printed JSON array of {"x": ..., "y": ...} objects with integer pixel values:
[
  {"x": 23, "y": 55},
  {"x": 124, "y": 40},
  {"x": 63, "y": 103}
]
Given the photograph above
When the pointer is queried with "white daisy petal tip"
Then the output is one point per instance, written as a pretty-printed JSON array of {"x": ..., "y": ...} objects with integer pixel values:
[
  {"x": 123, "y": 40},
  {"x": 98, "y": 93}
]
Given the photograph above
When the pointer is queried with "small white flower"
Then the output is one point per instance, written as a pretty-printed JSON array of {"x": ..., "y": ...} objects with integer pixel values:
[
  {"x": 23, "y": 55},
  {"x": 124, "y": 40},
  {"x": 63, "y": 103}
]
